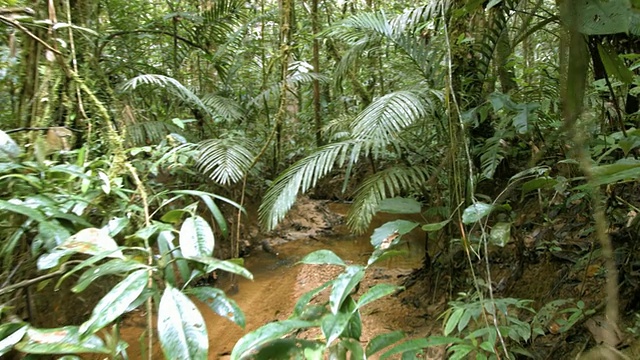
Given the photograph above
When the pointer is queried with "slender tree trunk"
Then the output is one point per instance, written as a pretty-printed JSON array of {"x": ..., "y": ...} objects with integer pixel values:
[{"x": 317, "y": 119}]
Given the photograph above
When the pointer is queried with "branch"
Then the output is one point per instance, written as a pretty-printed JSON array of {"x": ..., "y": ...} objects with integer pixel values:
[
  {"x": 25, "y": 283},
  {"x": 26, "y": 31}
]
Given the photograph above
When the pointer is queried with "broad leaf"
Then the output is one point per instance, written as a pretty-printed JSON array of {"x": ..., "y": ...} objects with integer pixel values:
[
  {"x": 392, "y": 229},
  {"x": 265, "y": 334},
  {"x": 354, "y": 348},
  {"x": 500, "y": 234},
  {"x": 376, "y": 292},
  {"x": 382, "y": 341},
  {"x": 181, "y": 328},
  {"x": 322, "y": 257},
  {"x": 476, "y": 212},
  {"x": 303, "y": 301},
  {"x": 334, "y": 324},
  {"x": 92, "y": 241},
  {"x": 379, "y": 255},
  {"x": 435, "y": 226},
  {"x": 114, "y": 266},
  {"x": 116, "y": 302},
  {"x": 18, "y": 208},
  {"x": 343, "y": 285},
  {"x": 400, "y": 205},
  {"x": 226, "y": 265},
  {"x": 217, "y": 301},
  {"x": 64, "y": 340},
  {"x": 196, "y": 238},
  {"x": 11, "y": 334}
]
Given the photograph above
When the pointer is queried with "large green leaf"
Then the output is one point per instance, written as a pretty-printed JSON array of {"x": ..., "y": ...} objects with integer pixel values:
[
  {"x": 92, "y": 241},
  {"x": 624, "y": 169},
  {"x": 114, "y": 266},
  {"x": 226, "y": 265},
  {"x": 343, "y": 285},
  {"x": 376, "y": 292},
  {"x": 322, "y": 257},
  {"x": 476, "y": 212},
  {"x": 265, "y": 334},
  {"x": 116, "y": 302},
  {"x": 601, "y": 17},
  {"x": 334, "y": 324},
  {"x": 62, "y": 340},
  {"x": 181, "y": 328},
  {"x": 217, "y": 301},
  {"x": 304, "y": 300},
  {"x": 196, "y": 238},
  {"x": 399, "y": 205},
  {"x": 18, "y": 208},
  {"x": 11, "y": 334},
  {"x": 382, "y": 341},
  {"x": 392, "y": 229},
  {"x": 500, "y": 234}
]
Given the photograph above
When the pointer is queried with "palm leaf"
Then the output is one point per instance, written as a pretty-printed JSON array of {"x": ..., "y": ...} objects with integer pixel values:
[
  {"x": 149, "y": 132},
  {"x": 172, "y": 85},
  {"x": 386, "y": 116},
  {"x": 225, "y": 161},
  {"x": 379, "y": 186},
  {"x": 303, "y": 175},
  {"x": 226, "y": 108}
]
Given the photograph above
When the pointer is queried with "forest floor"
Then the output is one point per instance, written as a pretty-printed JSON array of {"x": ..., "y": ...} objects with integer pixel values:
[{"x": 313, "y": 225}]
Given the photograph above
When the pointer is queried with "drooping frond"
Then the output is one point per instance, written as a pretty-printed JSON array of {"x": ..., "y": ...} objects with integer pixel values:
[
  {"x": 172, "y": 85},
  {"x": 303, "y": 175},
  {"x": 149, "y": 132},
  {"x": 388, "y": 115},
  {"x": 414, "y": 17},
  {"x": 225, "y": 161},
  {"x": 492, "y": 153},
  {"x": 379, "y": 186},
  {"x": 226, "y": 108}
]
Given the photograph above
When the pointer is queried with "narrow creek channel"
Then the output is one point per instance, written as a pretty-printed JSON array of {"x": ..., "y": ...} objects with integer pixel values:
[{"x": 278, "y": 281}]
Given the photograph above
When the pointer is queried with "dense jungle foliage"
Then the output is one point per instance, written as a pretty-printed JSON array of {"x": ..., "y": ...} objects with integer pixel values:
[{"x": 139, "y": 137}]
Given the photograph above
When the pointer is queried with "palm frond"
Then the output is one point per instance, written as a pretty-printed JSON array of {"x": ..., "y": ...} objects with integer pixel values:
[
  {"x": 225, "y": 161},
  {"x": 149, "y": 132},
  {"x": 226, "y": 108},
  {"x": 412, "y": 18},
  {"x": 379, "y": 186},
  {"x": 172, "y": 85},
  {"x": 491, "y": 154},
  {"x": 303, "y": 175},
  {"x": 388, "y": 115}
]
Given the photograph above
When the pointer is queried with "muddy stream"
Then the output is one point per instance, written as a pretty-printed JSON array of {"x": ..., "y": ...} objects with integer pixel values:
[{"x": 279, "y": 281}]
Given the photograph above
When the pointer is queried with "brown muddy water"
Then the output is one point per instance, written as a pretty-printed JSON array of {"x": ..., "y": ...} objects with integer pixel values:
[{"x": 278, "y": 281}]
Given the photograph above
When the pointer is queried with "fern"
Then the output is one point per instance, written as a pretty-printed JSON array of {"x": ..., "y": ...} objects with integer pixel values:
[
  {"x": 377, "y": 187},
  {"x": 225, "y": 161},
  {"x": 303, "y": 175}
]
